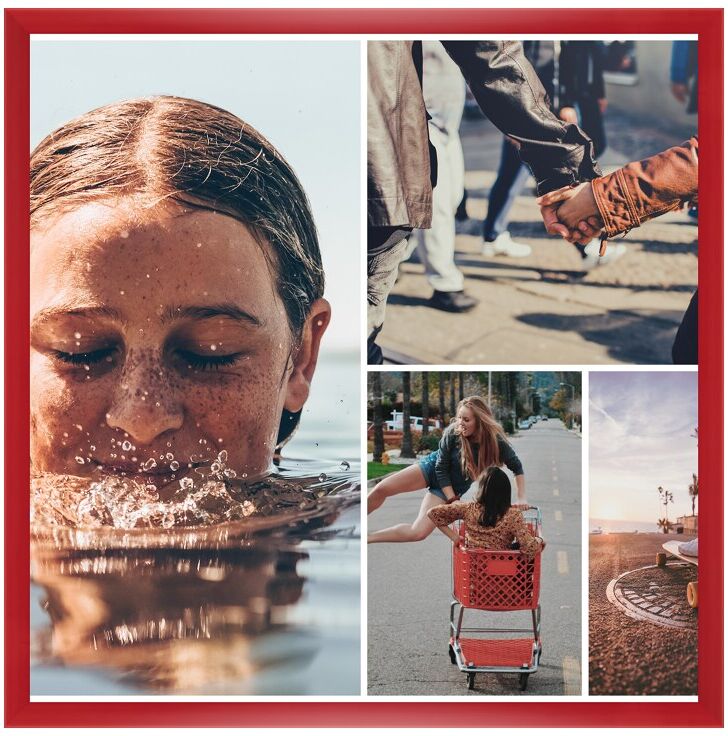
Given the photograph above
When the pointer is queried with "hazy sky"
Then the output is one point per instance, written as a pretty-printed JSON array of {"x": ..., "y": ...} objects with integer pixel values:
[
  {"x": 304, "y": 96},
  {"x": 640, "y": 426}
]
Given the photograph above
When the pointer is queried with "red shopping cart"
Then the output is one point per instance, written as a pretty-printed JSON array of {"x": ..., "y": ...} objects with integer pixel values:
[{"x": 496, "y": 580}]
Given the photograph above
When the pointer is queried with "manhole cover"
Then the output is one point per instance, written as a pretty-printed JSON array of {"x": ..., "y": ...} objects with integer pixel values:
[{"x": 656, "y": 594}]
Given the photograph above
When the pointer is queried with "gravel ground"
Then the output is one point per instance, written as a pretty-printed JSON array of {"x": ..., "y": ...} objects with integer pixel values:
[{"x": 627, "y": 656}]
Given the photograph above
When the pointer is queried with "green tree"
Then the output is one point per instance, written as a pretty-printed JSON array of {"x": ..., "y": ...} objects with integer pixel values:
[
  {"x": 425, "y": 403},
  {"x": 407, "y": 450},
  {"x": 376, "y": 382}
]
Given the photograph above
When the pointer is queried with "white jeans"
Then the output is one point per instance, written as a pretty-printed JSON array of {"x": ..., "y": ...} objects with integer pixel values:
[{"x": 436, "y": 246}]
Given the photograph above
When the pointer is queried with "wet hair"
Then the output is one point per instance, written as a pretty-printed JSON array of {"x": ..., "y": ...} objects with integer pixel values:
[
  {"x": 197, "y": 155},
  {"x": 494, "y": 497},
  {"x": 487, "y": 431}
]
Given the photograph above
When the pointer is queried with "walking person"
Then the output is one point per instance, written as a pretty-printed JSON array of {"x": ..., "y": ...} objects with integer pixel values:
[
  {"x": 444, "y": 93},
  {"x": 471, "y": 445},
  {"x": 572, "y": 75}
]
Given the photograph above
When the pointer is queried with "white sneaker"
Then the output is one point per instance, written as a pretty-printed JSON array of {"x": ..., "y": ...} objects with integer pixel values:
[
  {"x": 504, "y": 245},
  {"x": 591, "y": 258},
  {"x": 689, "y": 548}
]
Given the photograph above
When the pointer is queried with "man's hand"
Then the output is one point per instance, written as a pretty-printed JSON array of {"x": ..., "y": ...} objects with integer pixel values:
[{"x": 571, "y": 213}]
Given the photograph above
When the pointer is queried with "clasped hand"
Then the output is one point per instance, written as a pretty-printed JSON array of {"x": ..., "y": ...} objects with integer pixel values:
[{"x": 572, "y": 213}]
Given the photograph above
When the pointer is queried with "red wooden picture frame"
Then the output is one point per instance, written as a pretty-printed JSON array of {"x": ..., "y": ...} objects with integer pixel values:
[{"x": 20, "y": 24}]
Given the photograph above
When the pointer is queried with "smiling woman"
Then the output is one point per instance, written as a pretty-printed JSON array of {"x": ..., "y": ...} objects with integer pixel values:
[{"x": 176, "y": 294}]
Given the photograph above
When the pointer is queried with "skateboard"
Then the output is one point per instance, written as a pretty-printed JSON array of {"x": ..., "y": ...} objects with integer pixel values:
[{"x": 671, "y": 549}]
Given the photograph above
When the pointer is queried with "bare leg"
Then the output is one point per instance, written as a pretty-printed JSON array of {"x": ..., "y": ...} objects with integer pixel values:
[
  {"x": 409, "y": 479},
  {"x": 419, "y": 529}
]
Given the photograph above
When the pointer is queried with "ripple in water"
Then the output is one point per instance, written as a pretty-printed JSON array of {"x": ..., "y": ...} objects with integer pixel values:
[{"x": 217, "y": 502}]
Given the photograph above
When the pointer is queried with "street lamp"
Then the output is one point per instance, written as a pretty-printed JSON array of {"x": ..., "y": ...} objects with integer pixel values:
[{"x": 571, "y": 413}]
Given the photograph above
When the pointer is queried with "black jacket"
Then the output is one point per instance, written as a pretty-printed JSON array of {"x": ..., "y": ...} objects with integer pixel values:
[{"x": 400, "y": 163}]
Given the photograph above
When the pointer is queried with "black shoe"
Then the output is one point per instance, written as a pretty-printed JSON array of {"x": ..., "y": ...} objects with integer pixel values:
[{"x": 452, "y": 301}]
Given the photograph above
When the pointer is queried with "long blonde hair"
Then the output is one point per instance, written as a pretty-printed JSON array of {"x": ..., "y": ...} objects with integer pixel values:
[{"x": 487, "y": 431}]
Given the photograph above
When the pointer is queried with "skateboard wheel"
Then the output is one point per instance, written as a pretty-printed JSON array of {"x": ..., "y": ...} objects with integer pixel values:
[
  {"x": 453, "y": 659},
  {"x": 523, "y": 681},
  {"x": 661, "y": 559},
  {"x": 693, "y": 594},
  {"x": 471, "y": 680}
]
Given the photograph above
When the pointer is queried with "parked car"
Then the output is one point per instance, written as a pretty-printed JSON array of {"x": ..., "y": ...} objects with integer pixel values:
[{"x": 524, "y": 424}]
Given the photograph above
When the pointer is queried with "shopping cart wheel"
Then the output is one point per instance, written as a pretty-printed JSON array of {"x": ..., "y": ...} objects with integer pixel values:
[
  {"x": 693, "y": 594},
  {"x": 661, "y": 559},
  {"x": 453, "y": 659},
  {"x": 471, "y": 680},
  {"x": 523, "y": 680}
]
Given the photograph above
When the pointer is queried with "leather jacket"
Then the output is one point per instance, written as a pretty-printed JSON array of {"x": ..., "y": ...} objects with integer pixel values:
[
  {"x": 645, "y": 189},
  {"x": 401, "y": 165}
]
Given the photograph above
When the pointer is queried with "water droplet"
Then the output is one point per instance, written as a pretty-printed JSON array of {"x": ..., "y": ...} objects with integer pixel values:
[
  {"x": 322, "y": 477},
  {"x": 126, "y": 445},
  {"x": 149, "y": 464},
  {"x": 65, "y": 434},
  {"x": 80, "y": 460},
  {"x": 77, "y": 335},
  {"x": 156, "y": 403},
  {"x": 229, "y": 473},
  {"x": 213, "y": 347},
  {"x": 345, "y": 465},
  {"x": 121, "y": 291},
  {"x": 174, "y": 465},
  {"x": 186, "y": 483},
  {"x": 199, "y": 245},
  {"x": 124, "y": 234},
  {"x": 169, "y": 456},
  {"x": 222, "y": 456},
  {"x": 92, "y": 448}
]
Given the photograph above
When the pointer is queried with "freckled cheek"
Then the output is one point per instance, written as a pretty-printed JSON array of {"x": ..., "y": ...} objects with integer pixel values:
[
  {"x": 244, "y": 412},
  {"x": 66, "y": 416}
]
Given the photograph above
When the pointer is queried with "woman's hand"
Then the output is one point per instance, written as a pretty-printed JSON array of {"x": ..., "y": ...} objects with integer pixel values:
[{"x": 572, "y": 213}]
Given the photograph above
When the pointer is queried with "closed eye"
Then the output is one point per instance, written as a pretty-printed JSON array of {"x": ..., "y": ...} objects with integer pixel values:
[
  {"x": 90, "y": 358},
  {"x": 208, "y": 362}
]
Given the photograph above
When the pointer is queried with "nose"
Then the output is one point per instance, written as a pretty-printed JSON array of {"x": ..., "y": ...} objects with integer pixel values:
[{"x": 145, "y": 404}]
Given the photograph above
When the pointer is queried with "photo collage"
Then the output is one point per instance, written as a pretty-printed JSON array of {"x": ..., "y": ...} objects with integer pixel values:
[{"x": 363, "y": 368}]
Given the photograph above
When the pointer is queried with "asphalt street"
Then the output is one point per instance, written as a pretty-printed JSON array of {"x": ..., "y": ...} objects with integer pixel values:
[
  {"x": 545, "y": 305},
  {"x": 409, "y": 586}
]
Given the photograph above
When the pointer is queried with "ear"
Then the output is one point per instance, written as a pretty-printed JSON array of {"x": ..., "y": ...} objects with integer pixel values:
[{"x": 306, "y": 356}]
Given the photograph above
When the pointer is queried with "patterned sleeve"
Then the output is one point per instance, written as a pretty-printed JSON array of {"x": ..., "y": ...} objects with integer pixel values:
[
  {"x": 508, "y": 457},
  {"x": 447, "y": 513},
  {"x": 527, "y": 543}
]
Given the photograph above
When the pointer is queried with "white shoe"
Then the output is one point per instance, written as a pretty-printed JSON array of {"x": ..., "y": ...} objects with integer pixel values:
[
  {"x": 689, "y": 548},
  {"x": 504, "y": 245},
  {"x": 591, "y": 258}
]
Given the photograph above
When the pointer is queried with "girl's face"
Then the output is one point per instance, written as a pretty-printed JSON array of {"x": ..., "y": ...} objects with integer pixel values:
[
  {"x": 466, "y": 421},
  {"x": 158, "y": 340}
]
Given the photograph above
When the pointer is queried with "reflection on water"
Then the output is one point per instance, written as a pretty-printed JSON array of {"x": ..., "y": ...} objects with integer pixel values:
[{"x": 213, "y": 597}]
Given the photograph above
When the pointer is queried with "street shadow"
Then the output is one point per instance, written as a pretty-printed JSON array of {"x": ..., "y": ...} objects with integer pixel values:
[
  {"x": 638, "y": 336},
  {"x": 560, "y": 276}
]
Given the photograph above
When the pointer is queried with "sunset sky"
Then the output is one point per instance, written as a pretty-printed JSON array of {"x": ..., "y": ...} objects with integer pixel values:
[{"x": 640, "y": 427}]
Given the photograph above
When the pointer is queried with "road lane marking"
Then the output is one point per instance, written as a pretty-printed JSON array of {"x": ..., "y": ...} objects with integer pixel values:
[
  {"x": 555, "y": 477},
  {"x": 556, "y": 491},
  {"x": 562, "y": 562},
  {"x": 572, "y": 676},
  {"x": 558, "y": 516}
]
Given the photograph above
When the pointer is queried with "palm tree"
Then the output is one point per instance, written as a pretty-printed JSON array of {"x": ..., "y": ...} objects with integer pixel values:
[
  {"x": 407, "y": 450},
  {"x": 693, "y": 491},
  {"x": 425, "y": 402},
  {"x": 665, "y": 525},
  {"x": 665, "y": 498},
  {"x": 376, "y": 377},
  {"x": 441, "y": 388},
  {"x": 452, "y": 394}
]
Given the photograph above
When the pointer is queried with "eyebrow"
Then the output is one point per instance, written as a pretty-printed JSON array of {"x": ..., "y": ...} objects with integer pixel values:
[
  {"x": 227, "y": 309},
  {"x": 69, "y": 310}
]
